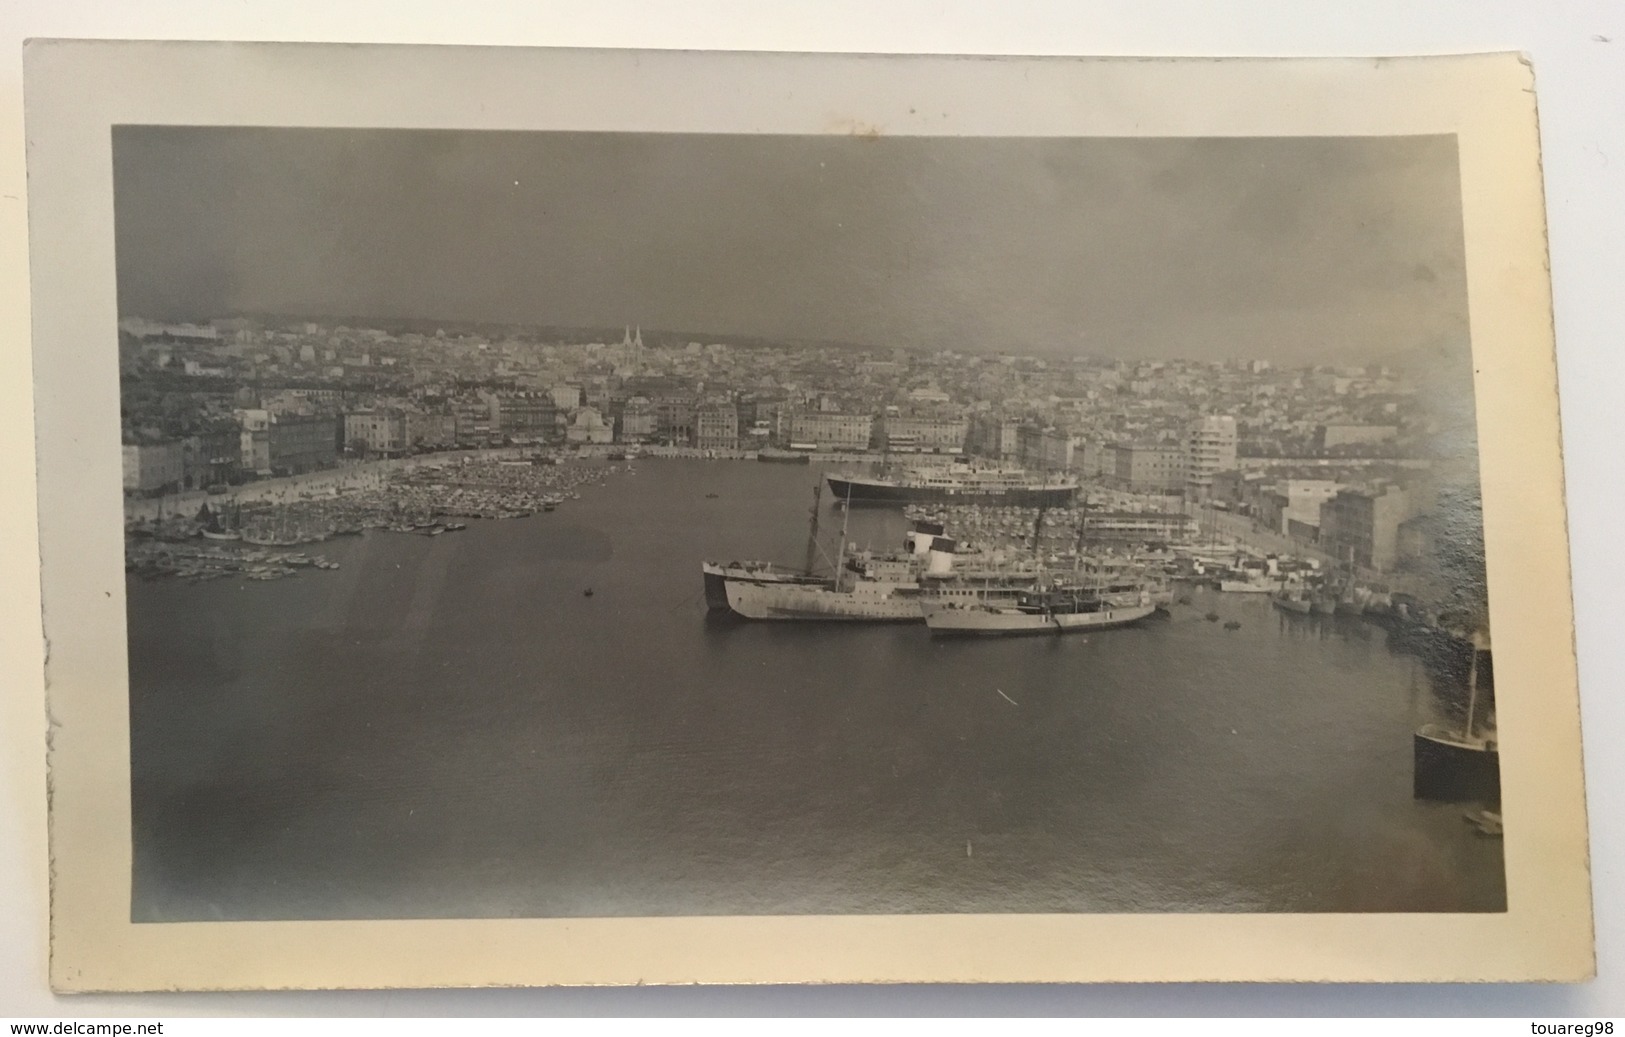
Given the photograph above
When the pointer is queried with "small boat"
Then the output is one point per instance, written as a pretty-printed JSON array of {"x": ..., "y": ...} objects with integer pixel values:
[
  {"x": 222, "y": 534},
  {"x": 1234, "y": 624},
  {"x": 1248, "y": 586},
  {"x": 771, "y": 455},
  {"x": 587, "y": 593},
  {"x": 1295, "y": 603},
  {"x": 712, "y": 496}
]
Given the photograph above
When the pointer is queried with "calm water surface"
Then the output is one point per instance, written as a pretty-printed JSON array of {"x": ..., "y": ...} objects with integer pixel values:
[{"x": 448, "y": 727}]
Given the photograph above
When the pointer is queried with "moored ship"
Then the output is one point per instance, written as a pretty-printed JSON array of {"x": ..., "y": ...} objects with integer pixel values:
[
  {"x": 1054, "y": 611},
  {"x": 1460, "y": 764},
  {"x": 865, "y": 587},
  {"x": 956, "y": 484},
  {"x": 775, "y": 456}
]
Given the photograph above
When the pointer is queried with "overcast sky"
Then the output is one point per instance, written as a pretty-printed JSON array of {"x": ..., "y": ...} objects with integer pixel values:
[{"x": 1302, "y": 250}]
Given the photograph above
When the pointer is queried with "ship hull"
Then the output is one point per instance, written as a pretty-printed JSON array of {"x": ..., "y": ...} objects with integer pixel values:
[
  {"x": 1454, "y": 769},
  {"x": 871, "y": 493},
  {"x": 1293, "y": 605},
  {"x": 955, "y": 622},
  {"x": 790, "y": 602},
  {"x": 719, "y": 574}
]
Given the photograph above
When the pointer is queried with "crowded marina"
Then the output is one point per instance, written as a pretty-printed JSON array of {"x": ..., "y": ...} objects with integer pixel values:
[{"x": 247, "y": 535}]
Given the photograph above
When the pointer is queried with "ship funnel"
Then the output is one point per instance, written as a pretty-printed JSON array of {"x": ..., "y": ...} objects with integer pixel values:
[
  {"x": 917, "y": 541},
  {"x": 940, "y": 559}
]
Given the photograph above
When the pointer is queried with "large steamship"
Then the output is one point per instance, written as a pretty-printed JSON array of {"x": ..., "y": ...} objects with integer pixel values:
[{"x": 959, "y": 483}]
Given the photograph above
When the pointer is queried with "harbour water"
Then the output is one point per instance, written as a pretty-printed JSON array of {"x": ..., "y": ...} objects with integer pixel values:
[{"x": 450, "y": 727}]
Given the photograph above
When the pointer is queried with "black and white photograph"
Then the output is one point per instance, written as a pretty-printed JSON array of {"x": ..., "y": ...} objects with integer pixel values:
[
  {"x": 555, "y": 524},
  {"x": 625, "y": 520}
]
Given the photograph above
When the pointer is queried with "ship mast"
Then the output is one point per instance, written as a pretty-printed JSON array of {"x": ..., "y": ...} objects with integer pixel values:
[
  {"x": 1472, "y": 687},
  {"x": 840, "y": 555},
  {"x": 812, "y": 529},
  {"x": 1038, "y": 540},
  {"x": 1083, "y": 531}
]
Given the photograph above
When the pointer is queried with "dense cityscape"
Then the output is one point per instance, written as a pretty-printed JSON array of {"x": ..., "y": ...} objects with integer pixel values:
[{"x": 1330, "y": 459}]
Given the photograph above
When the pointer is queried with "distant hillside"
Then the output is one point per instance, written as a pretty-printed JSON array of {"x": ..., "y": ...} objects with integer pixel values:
[{"x": 544, "y": 332}]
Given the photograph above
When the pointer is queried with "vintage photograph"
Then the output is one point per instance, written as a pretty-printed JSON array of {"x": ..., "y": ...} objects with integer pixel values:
[
  {"x": 563, "y": 524},
  {"x": 517, "y": 517}
]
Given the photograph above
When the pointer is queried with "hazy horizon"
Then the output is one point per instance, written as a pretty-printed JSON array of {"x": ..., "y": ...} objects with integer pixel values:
[{"x": 1296, "y": 250}]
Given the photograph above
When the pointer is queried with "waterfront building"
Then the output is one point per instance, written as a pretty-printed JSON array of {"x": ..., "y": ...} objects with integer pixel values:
[
  {"x": 254, "y": 440},
  {"x": 774, "y": 415},
  {"x": 1092, "y": 459},
  {"x": 832, "y": 430},
  {"x": 153, "y": 468},
  {"x": 992, "y": 435},
  {"x": 1148, "y": 467},
  {"x": 527, "y": 415},
  {"x": 566, "y": 397},
  {"x": 1296, "y": 503},
  {"x": 757, "y": 436},
  {"x": 298, "y": 444},
  {"x": 478, "y": 419},
  {"x": 717, "y": 427},
  {"x": 431, "y": 430},
  {"x": 639, "y": 421},
  {"x": 924, "y": 434},
  {"x": 375, "y": 432},
  {"x": 212, "y": 456},
  {"x": 254, "y": 450},
  {"x": 1045, "y": 449},
  {"x": 1361, "y": 526},
  {"x": 1210, "y": 448},
  {"x": 674, "y": 418}
]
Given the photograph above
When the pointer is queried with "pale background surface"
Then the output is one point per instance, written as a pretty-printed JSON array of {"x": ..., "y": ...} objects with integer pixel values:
[{"x": 1581, "y": 82}]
